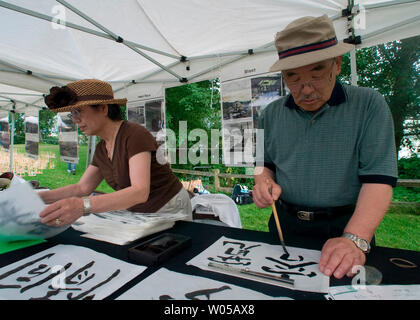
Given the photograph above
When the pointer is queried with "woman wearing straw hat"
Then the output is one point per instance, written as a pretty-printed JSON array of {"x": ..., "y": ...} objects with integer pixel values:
[
  {"x": 329, "y": 155},
  {"x": 125, "y": 158}
]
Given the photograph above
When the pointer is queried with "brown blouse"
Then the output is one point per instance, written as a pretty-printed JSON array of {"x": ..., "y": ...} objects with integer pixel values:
[{"x": 132, "y": 139}]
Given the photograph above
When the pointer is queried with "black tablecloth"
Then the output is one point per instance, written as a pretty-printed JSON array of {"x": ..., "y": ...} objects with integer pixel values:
[{"x": 203, "y": 235}]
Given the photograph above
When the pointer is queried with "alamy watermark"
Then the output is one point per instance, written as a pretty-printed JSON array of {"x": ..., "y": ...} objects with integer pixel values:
[
  {"x": 240, "y": 146},
  {"x": 59, "y": 17}
]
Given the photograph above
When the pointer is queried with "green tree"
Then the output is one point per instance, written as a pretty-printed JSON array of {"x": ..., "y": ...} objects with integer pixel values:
[
  {"x": 198, "y": 104},
  {"x": 47, "y": 124},
  {"x": 19, "y": 134},
  {"x": 393, "y": 69}
]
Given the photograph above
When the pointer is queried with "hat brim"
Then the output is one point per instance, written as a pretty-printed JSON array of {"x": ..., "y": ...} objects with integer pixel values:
[
  {"x": 308, "y": 58},
  {"x": 69, "y": 108}
]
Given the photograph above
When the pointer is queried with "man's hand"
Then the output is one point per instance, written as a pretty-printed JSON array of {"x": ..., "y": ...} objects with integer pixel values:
[
  {"x": 339, "y": 256},
  {"x": 265, "y": 193}
]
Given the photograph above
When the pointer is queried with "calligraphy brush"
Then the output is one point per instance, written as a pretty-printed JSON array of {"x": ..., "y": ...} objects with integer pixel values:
[{"x": 276, "y": 218}]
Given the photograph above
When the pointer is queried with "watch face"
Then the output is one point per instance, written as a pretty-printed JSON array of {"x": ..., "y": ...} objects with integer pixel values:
[{"x": 362, "y": 244}]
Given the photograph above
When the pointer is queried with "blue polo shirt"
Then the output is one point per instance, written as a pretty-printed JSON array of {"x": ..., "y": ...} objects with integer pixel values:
[{"x": 322, "y": 159}]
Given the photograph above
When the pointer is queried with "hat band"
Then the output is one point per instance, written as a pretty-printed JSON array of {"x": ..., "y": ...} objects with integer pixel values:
[
  {"x": 308, "y": 48},
  {"x": 95, "y": 97}
]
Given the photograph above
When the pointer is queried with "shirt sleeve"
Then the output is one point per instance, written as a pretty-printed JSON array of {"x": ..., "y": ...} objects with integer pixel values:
[
  {"x": 97, "y": 155},
  {"x": 140, "y": 140},
  {"x": 378, "y": 159}
]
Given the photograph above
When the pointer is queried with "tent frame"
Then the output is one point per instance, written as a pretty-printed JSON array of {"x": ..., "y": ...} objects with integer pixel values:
[{"x": 350, "y": 12}]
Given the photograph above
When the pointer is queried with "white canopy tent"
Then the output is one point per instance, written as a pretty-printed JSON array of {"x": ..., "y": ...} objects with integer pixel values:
[
  {"x": 143, "y": 46},
  {"x": 140, "y": 44}
]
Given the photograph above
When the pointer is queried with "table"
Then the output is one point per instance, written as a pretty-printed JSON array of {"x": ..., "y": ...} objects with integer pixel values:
[{"x": 203, "y": 235}]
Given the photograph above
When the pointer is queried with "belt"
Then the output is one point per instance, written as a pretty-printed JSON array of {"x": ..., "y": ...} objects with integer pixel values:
[{"x": 312, "y": 214}]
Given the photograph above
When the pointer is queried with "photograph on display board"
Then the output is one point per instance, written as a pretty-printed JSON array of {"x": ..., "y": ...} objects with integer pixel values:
[
  {"x": 67, "y": 138},
  {"x": 237, "y": 136},
  {"x": 155, "y": 116},
  {"x": 242, "y": 103},
  {"x": 32, "y": 137},
  {"x": 5, "y": 136},
  {"x": 68, "y": 149},
  {"x": 264, "y": 91},
  {"x": 237, "y": 143},
  {"x": 136, "y": 114},
  {"x": 32, "y": 126},
  {"x": 31, "y": 148},
  {"x": 66, "y": 124},
  {"x": 236, "y": 100}
]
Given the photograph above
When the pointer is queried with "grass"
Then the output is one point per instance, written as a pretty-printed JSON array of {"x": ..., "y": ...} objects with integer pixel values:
[
  {"x": 398, "y": 229},
  {"x": 59, "y": 176}
]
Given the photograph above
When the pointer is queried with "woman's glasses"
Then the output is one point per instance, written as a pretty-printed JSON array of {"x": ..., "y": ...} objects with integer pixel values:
[{"x": 74, "y": 115}]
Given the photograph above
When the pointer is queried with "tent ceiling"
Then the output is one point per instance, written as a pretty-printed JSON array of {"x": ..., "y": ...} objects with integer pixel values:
[{"x": 214, "y": 36}]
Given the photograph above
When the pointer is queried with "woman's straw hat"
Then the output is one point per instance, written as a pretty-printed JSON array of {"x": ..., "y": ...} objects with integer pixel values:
[{"x": 81, "y": 93}]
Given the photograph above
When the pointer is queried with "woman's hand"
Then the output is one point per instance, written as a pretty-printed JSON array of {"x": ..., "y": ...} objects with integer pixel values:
[{"x": 62, "y": 212}]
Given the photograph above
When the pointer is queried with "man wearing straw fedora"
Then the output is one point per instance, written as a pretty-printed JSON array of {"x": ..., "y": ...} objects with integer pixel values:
[
  {"x": 329, "y": 158},
  {"x": 125, "y": 157}
]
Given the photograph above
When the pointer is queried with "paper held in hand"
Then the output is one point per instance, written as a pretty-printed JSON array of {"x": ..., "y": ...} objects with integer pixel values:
[{"x": 20, "y": 206}]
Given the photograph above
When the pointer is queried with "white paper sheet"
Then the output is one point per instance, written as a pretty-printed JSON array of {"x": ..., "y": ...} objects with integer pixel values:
[
  {"x": 166, "y": 285},
  {"x": 123, "y": 226},
  {"x": 65, "y": 272},
  {"x": 301, "y": 266},
  {"x": 381, "y": 292},
  {"x": 20, "y": 206}
]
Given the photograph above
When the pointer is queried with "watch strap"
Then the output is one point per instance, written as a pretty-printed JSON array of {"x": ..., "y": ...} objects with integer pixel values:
[{"x": 356, "y": 240}]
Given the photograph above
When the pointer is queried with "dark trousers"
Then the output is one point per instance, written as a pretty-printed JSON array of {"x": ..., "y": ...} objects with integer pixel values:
[{"x": 308, "y": 234}]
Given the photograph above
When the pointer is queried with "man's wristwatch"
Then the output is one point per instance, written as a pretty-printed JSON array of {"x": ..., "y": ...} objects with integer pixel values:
[
  {"x": 86, "y": 206},
  {"x": 362, "y": 244}
]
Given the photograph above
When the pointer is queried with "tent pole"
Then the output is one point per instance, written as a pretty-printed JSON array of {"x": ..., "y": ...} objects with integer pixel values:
[
  {"x": 394, "y": 26},
  {"x": 12, "y": 140},
  {"x": 29, "y": 72},
  {"x": 91, "y": 149},
  {"x": 117, "y": 38},
  {"x": 231, "y": 60},
  {"x": 77, "y": 27},
  {"x": 23, "y": 102},
  {"x": 388, "y": 4},
  {"x": 234, "y": 53},
  {"x": 353, "y": 67},
  {"x": 40, "y": 74}
]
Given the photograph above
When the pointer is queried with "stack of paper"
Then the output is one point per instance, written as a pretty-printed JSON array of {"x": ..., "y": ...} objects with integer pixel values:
[{"x": 123, "y": 226}]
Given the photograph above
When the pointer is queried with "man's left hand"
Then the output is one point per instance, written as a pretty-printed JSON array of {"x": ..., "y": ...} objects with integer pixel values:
[{"x": 339, "y": 256}]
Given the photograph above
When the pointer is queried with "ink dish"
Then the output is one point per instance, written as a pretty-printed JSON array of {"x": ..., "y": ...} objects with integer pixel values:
[{"x": 158, "y": 249}]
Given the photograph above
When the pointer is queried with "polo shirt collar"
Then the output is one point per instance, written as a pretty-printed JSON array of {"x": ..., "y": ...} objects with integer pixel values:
[{"x": 338, "y": 96}]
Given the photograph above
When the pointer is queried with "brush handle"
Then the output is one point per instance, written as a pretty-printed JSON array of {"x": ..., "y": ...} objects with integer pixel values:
[{"x": 276, "y": 218}]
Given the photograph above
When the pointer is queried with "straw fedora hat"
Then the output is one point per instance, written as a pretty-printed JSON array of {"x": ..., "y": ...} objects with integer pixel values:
[
  {"x": 307, "y": 40},
  {"x": 81, "y": 93}
]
